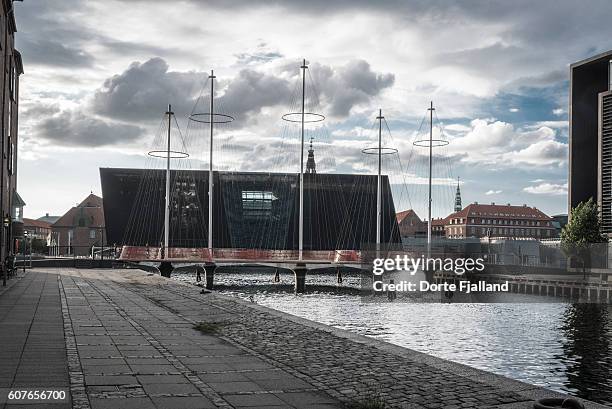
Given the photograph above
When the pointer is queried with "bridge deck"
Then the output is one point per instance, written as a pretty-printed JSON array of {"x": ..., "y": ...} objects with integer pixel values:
[{"x": 203, "y": 255}]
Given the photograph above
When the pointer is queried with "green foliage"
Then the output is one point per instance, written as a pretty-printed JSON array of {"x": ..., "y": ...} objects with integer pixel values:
[
  {"x": 37, "y": 246},
  {"x": 584, "y": 227},
  {"x": 580, "y": 236}
]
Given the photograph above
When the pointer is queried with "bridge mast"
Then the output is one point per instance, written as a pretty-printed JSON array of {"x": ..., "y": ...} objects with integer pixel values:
[
  {"x": 379, "y": 184},
  {"x": 431, "y": 110},
  {"x": 210, "y": 168},
  {"x": 167, "y": 204},
  {"x": 301, "y": 220}
]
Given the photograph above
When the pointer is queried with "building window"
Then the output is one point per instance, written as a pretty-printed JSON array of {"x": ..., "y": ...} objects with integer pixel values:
[
  {"x": 11, "y": 156},
  {"x": 12, "y": 81},
  {"x": 257, "y": 204},
  {"x": 92, "y": 233}
]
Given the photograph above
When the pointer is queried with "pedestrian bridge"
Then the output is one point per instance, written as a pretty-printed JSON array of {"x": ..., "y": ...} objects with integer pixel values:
[
  {"x": 210, "y": 260},
  {"x": 230, "y": 255}
]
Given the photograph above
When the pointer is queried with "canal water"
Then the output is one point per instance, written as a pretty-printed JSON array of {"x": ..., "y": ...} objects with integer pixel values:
[{"x": 561, "y": 346}]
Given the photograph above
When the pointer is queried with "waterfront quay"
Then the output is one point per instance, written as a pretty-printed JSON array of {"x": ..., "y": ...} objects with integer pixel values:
[{"x": 127, "y": 339}]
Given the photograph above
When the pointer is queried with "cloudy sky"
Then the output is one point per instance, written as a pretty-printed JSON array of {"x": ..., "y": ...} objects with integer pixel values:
[{"x": 100, "y": 73}]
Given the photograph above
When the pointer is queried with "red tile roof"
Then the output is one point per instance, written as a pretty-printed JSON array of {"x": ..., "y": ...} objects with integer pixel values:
[
  {"x": 501, "y": 211},
  {"x": 90, "y": 209},
  {"x": 402, "y": 215},
  {"x": 440, "y": 221},
  {"x": 36, "y": 223}
]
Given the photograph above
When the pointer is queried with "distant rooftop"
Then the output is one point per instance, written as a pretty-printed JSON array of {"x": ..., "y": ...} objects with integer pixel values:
[
  {"x": 48, "y": 219},
  {"x": 605, "y": 54},
  {"x": 36, "y": 223},
  {"x": 496, "y": 210}
]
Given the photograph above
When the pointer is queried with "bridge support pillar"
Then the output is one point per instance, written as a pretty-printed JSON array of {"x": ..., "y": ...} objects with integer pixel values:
[
  {"x": 300, "y": 278},
  {"x": 210, "y": 275},
  {"x": 199, "y": 270},
  {"x": 338, "y": 275},
  {"x": 165, "y": 269}
]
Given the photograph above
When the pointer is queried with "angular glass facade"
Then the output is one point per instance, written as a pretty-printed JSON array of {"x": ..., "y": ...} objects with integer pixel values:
[{"x": 252, "y": 210}]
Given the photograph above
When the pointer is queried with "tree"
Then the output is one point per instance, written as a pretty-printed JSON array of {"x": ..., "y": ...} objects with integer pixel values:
[
  {"x": 582, "y": 232},
  {"x": 38, "y": 246}
]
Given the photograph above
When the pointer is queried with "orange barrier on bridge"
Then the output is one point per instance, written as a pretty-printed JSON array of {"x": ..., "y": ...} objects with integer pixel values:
[{"x": 144, "y": 253}]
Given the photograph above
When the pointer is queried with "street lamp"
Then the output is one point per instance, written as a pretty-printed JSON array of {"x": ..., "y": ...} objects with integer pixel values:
[{"x": 25, "y": 247}]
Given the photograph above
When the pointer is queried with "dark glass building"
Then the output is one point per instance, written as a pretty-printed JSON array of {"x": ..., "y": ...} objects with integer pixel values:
[
  {"x": 251, "y": 210},
  {"x": 590, "y": 145}
]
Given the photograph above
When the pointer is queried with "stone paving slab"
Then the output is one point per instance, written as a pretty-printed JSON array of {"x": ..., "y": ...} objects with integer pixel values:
[
  {"x": 124, "y": 339},
  {"x": 32, "y": 348}
]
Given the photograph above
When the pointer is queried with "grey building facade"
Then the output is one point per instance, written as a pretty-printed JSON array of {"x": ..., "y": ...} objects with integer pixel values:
[{"x": 590, "y": 139}]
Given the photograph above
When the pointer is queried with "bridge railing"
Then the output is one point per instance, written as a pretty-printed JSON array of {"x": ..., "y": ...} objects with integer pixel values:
[{"x": 147, "y": 253}]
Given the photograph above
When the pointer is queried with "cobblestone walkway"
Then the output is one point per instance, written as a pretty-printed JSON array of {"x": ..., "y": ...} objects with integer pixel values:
[{"x": 127, "y": 341}]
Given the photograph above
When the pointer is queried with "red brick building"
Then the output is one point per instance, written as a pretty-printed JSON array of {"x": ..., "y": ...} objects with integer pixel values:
[
  {"x": 482, "y": 220},
  {"x": 37, "y": 229},
  {"x": 81, "y": 228},
  {"x": 12, "y": 67},
  {"x": 410, "y": 224},
  {"x": 438, "y": 227}
]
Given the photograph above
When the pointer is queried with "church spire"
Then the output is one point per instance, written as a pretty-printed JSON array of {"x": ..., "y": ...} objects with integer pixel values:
[
  {"x": 458, "y": 206},
  {"x": 311, "y": 166}
]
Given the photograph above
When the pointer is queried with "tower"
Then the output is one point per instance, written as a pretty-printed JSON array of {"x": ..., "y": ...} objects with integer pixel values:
[
  {"x": 458, "y": 206},
  {"x": 311, "y": 166},
  {"x": 590, "y": 162}
]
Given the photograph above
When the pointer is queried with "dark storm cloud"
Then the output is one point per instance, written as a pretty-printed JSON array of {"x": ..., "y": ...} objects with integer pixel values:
[
  {"x": 47, "y": 52},
  {"x": 131, "y": 48},
  {"x": 352, "y": 84},
  {"x": 38, "y": 111},
  {"x": 48, "y": 35},
  {"x": 144, "y": 89},
  {"x": 252, "y": 90},
  {"x": 440, "y": 9},
  {"x": 45, "y": 37},
  {"x": 76, "y": 129}
]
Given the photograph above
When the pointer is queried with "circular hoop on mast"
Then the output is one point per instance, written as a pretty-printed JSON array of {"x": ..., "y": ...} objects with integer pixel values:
[
  {"x": 435, "y": 143},
  {"x": 309, "y": 117},
  {"x": 205, "y": 118},
  {"x": 164, "y": 154},
  {"x": 383, "y": 151}
]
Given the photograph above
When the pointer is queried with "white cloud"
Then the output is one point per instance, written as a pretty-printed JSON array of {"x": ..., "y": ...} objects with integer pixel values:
[
  {"x": 547, "y": 188},
  {"x": 513, "y": 110},
  {"x": 493, "y": 192},
  {"x": 501, "y": 144},
  {"x": 549, "y": 124},
  {"x": 558, "y": 111}
]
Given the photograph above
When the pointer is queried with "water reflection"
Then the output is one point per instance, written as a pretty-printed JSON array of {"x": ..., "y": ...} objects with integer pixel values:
[
  {"x": 556, "y": 345},
  {"x": 588, "y": 330}
]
